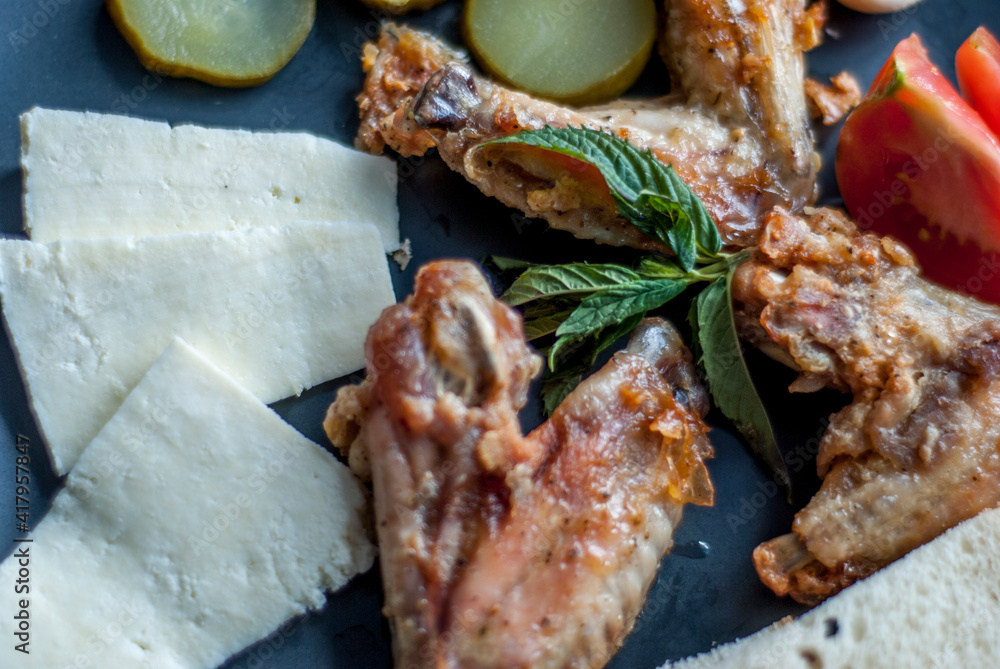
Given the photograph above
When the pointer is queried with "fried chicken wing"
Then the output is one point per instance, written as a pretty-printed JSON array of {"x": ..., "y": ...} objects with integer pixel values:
[
  {"x": 736, "y": 127},
  {"x": 743, "y": 62},
  {"x": 916, "y": 452},
  {"x": 503, "y": 550}
]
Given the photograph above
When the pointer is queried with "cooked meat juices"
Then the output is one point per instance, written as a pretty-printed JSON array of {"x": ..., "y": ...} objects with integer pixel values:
[
  {"x": 736, "y": 127},
  {"x": 503, "y": 550},
  {"x": 917, "y": 450}
]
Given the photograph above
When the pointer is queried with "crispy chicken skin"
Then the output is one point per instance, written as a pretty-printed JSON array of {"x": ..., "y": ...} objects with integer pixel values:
[
  {"x": 743, "y": 62},
  {"x": 916, "y": 452},
  {"x": 736, "y": 127},
  {"x": 503, "y": 550}
]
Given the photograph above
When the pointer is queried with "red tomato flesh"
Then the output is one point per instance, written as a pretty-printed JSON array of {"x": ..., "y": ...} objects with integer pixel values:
[
  {"x": 977, "y": 64},
  {"x": 915, "y": 161}
]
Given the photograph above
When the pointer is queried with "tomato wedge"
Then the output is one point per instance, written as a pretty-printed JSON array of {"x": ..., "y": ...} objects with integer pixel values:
[
  {"x": 915, "y": 161},
  {"x": 977, "y": 64}
]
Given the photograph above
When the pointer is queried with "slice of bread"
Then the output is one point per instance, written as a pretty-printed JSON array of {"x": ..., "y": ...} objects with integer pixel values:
[{"x": 938, "y": 607}]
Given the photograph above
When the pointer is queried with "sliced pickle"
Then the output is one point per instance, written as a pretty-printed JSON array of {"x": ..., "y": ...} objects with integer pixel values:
[
  {"x": 221, "y": 42},
  {"x": 573, "y": 51}
]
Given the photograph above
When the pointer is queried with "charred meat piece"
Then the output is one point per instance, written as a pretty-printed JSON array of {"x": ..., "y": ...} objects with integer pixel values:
[
  {"x": 736, "y": 127},
  {"x": 918, "y": 450},
  {"x": 832, "y": 102},
  {"x": 504, "y": 550},
  {"x": 396, "y": 67}
]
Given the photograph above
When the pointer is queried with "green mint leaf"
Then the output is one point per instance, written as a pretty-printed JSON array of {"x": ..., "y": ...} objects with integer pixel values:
[
  {"x": 505, "y": 264},
  {"x": 649, "y": 194},
  {"x": 610, "y": 306},
  {"x": 547, "y": 307},
  {"x": 728, "y": 377},
  {"x": 608, "y": 336},
  {"x": 574, "y": 279},
  {"x": 696, "y": 351},
  {"x": 543, "y": 318},
  {"x": 576, "y": 357},
  {"x": 653, "y": 267},
  {"x": 556, "y": 388},
  {"x": 668, "y": 223},
  {"x": 565, "y": 349},
  {"x": 626, "y": 169},
  {"x": 682, "y": 238},
  {"x": 706, "y": 234},
  {"x": 580, "y": 353}
]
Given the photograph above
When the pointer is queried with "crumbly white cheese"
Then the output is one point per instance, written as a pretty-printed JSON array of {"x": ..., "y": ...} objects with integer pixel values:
[
  {"x": 194, "y": 524},
  {"x": 279, "y": 309},
  {"x": 937, "y": 607},
  {"x": 93, "y": 175}
]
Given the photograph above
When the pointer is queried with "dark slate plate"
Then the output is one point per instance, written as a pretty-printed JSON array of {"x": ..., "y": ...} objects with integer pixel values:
[{"x": 67, "y": 54}]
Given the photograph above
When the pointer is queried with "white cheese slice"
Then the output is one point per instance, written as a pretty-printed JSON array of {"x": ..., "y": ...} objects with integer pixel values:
[
  {"x": 194, "y": 524},
  {"x": 279, "y": 309},
  {"x": 91, "y": 175}
]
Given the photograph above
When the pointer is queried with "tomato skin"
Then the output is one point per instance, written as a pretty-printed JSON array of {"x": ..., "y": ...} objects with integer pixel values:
[
  {"x": 915, "y": 161},
  {"x": 977, "y": 65}
]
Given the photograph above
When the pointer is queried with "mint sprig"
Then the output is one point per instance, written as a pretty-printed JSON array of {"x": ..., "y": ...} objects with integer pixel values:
[
  {"x": 565, "y": 281},
  {"x": 648, "y": 193},
  {"x": 720, "y": 354},
  {"x": 588, "y": 307}
]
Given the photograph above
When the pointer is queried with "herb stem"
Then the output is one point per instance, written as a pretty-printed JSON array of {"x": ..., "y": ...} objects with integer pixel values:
[{"x": 721, "y": 265}]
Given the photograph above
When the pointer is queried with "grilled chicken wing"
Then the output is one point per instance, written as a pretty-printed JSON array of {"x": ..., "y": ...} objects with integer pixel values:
[
  {"x": 503, "y": 550},
  {"x": 916, "y": 452},
  {"x": 736, "y": 128}
]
